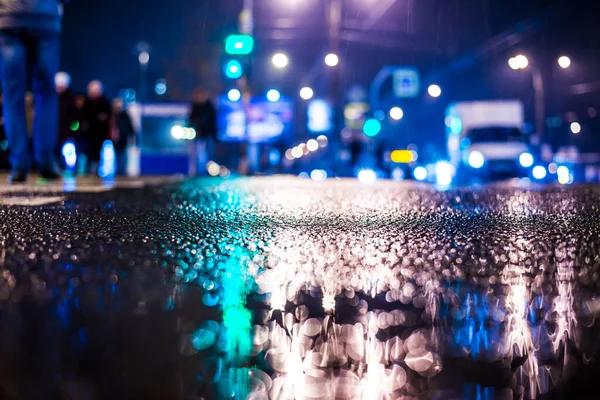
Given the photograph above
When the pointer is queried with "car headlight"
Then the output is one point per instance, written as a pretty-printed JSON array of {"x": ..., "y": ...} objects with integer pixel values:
[
  {"x": 526, "y": 160},
  {"x": 476, "y": 159}
]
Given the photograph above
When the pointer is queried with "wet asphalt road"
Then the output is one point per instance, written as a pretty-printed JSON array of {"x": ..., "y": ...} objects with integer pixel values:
[{"x": 283, "y": 288}]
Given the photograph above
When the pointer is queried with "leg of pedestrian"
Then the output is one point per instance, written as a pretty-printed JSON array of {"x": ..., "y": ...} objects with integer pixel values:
[
  {"x": 193, "y": 158},
  {"x": 203, "y": 156},
  {"x": 14, "y": 82},
  {"x": 45, "y": 126}
]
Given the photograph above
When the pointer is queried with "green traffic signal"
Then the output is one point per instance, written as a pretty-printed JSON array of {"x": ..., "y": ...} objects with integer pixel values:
[
  {"x": 372, "y": 127},
  {"x": 239, "y": 44},
  {"x": 233, "y": 69}
]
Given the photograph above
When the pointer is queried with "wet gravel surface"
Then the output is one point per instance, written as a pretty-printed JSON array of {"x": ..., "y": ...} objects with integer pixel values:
[{"x": 282, "y": 288}]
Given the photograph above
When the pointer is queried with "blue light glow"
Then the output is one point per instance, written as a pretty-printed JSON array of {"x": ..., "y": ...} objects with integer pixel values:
[
  {"x": 456, "y": 125},
  {"x": 274, "y": 156},
  {"x": 70, "y": 154},
  {"x": 372, "y": 127},
  {"x": 233, "y": 69},
  {"x": 108, "y": 161},
  {"x": 161, "y": 87}
]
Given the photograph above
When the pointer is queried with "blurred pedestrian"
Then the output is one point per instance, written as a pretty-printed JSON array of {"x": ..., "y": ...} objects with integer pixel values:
[
  {"x": 96, "y": 122},
  {"x": 203, "y": 118},
  {"x": 356, "y": 148},
  {"x": 29, "y": 46},
  {"x": 123, "y": 134},
  {"x": 67, "y": 111}
]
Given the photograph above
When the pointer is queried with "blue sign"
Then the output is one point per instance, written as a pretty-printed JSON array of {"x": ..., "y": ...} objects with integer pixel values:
[
  {"x": 231, "y": 120},
  {"x": 265, "y": 121},
  {"x": 406, "y": 82},
  {"x": 319, "y": 116}
]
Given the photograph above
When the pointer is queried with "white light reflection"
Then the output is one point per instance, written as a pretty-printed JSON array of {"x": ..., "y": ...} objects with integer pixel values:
[{"x": 370, "y": 311}]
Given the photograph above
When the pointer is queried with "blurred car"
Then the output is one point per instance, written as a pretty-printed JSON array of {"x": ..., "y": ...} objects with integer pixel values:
[{"x": 486, "y": 140}]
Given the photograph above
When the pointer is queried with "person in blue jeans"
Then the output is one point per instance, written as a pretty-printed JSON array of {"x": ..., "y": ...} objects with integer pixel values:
[{"x": 29, "y": 56}]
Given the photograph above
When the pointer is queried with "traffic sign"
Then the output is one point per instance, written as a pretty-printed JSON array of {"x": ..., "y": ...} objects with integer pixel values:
[
  {"x": 239, "y": 44},
  {"x": 406, "y": 82}
]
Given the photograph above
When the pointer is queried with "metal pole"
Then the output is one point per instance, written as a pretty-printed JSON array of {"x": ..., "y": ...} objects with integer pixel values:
[
  {"x": 247, "y": 151},
  {"x": 334, "y": 15},
  {"x": 540, "y": 102},
  {"x": 249, "y": 11}
]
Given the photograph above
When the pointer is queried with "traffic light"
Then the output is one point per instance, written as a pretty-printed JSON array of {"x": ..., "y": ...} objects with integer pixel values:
[
  {"x": 239, "y": 44},
  {"x": 372, "y": 127},
  {"x": 233, "y": 69}
]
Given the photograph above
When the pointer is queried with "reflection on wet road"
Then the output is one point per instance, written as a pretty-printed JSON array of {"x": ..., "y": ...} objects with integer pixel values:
[{"x": 278, "y": 288}]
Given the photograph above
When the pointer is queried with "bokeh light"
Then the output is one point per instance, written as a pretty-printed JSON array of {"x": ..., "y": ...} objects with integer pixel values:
[
  {"x": 144, "y": 58},
  {"x": 367, "y": 176},
  {"x": 234, "y": 95},
  {"x": 213, "y": 168},
  {"x": 273, "y": 95},
  {"x": 177, "y": 132},
  {"x": 280, "y": 60},
  {"x": 396, "y": 113},
  {"x": 564, "y": 62},
  {"x": 161, "y": 87},
  {"x": 306, "y": 93},
  {"x": 444, "y": 172},
  {"x": 312, "y": 145},
  {"x": 233, "y": 69},
  {"x": 318, "y": 175},
  {"x": 420, "y": 173},
  {"x": 332, "y": 60},
  {"x": 434, "y": 91},
  {"x": 539, "y": 172},
  {"x": 402, "y": 156},
  {"x": 322, "y": 140},
  {"x": 476, "y": 159},
  {"x": 575, "y": 128},
  {"x": 526, "y": 160},
  {"x": 69, "y": 153},
  {"x": 518, "y": 62},
  {"x": 371, "y": 127}
]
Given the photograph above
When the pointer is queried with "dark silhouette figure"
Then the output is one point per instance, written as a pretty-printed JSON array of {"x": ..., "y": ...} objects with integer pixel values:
[
  {"x": 203, "y": 118},
  {"x": 96, "y": 116},
  {"x": 123, "y": 134}
]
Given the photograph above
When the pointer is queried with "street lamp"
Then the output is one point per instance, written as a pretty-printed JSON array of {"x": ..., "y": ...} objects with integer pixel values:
[
  {"x": 396, "y": 113},
  {"x": 519, "y": 61},
  {"x": 564, "y": 62},
  {"x": 332, "y": 60},
  {"x": 434, "y": 91},
  {"x": 144, "y": 58},
  {"x": 280, "y": 60},
  {"x": 306, "y": 93}
]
